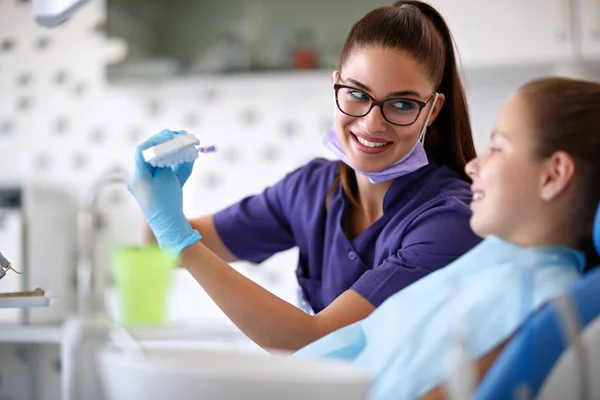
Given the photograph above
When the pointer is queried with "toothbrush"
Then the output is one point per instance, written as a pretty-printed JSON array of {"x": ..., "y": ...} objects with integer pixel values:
[{"x": 181, "y": 149}]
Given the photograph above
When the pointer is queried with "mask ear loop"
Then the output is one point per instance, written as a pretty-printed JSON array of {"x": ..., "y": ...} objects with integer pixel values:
[{"x": 424, "y": 130}]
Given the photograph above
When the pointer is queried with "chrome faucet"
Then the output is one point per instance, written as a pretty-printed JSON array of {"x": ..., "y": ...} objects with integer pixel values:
[
  {"x": 88, "y": 330},
  {"x": 91, "y": 287}
]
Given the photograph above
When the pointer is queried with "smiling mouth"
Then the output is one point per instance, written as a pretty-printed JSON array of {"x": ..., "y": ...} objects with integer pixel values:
[
  {"x": 368, "y": 143},
  {"x": 370, "y": 146},
  {"x": 477, "y": 196}
]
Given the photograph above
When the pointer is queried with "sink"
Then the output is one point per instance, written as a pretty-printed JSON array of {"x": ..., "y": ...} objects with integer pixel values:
[{"x": 168, "y": 372}]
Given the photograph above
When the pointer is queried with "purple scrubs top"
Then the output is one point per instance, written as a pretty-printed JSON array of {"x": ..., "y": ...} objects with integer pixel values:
[{"x": 424, "y": 227}]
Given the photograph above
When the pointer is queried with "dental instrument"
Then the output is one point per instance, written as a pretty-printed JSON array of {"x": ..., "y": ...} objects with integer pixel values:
[
  {"x": 181, "y": 149},
  {"x": 4, "y": 263},
  {"x": 5, "y": 266}
]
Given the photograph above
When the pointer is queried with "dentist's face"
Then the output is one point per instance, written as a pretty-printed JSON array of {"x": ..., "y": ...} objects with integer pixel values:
[
  {"x": 506, "y": 178},
  {"x": 371, "y": 142}
]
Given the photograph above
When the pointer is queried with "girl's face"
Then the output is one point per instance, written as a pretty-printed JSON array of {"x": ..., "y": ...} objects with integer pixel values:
[
  {"x": 508, "y": 178},
  {"x": 371, "y": 142}
]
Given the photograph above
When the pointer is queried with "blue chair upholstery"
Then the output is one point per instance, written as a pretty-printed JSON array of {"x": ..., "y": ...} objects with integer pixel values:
[
  {"x": 597, "y": 230},
  {"x": 532, "y": 353}
]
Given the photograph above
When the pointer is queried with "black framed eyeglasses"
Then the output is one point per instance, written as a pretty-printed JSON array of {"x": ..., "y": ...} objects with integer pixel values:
[{"x": 396, "y": 110}]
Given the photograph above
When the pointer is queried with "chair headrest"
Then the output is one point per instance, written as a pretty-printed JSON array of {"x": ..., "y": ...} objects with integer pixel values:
[{"x": 597, "y": 230}]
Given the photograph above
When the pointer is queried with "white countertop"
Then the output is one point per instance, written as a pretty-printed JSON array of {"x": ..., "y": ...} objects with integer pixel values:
[
  {"x": 214, "y": 337},
  {"x": 10, "y": 333}
]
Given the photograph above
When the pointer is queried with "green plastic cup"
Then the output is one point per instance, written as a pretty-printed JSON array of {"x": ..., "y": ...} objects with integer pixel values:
[{"x": 142, "y": 278}]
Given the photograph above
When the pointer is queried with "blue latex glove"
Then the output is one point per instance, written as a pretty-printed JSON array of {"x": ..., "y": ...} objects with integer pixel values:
[
  {"x": 184, "y": 170},
  {"x": 158, "y": 191}
]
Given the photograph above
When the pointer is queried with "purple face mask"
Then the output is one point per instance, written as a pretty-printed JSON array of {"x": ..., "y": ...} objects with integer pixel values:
[{"x": 414, "y": 160}]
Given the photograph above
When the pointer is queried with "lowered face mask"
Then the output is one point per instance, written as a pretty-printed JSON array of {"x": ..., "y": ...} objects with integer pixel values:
[{"x": 414, "y": 160}]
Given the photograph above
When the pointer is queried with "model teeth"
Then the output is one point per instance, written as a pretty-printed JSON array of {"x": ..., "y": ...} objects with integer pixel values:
[
  {"x": 477, "y": 196},
  {"x": 369, "y": 144}
]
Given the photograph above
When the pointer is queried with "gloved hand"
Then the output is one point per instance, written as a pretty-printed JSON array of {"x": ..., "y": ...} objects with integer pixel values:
[
  {"x": 184, "y": 170},
  {"x": 158, "y": 191}
]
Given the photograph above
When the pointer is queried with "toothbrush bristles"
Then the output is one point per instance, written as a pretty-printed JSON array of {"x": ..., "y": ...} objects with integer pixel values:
[{"x": 207, "y": 149}]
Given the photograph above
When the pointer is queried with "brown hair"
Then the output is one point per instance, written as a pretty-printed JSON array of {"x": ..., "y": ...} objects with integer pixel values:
[
  {"x": 417, "y": 28},
  {"x": 566, "y": 117}
]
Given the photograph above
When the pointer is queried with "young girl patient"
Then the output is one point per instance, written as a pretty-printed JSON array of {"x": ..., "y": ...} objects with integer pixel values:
[{"x": 535, "y": 191}]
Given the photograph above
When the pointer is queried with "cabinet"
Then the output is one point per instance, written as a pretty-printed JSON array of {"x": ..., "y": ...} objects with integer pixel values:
[
  {"x": 201, "y": 36},
  {"x": 188, "y": 37},
  {"x": 511, "y": 32},
  {"x": 489, "y": 33},
  {"x": 588, "y": 19}
]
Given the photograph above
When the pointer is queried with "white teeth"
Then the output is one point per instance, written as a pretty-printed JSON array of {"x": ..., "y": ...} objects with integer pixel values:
[
  {"x": 369, "y": 144},
  {"x": 477, "y": 196}
]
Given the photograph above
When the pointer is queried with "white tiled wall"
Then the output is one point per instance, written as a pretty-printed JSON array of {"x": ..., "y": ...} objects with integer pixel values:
[{"x": 61, "y": 123}]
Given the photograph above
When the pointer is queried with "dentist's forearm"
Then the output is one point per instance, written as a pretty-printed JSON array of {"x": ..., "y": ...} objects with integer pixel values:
[
  {"x": 210, "y": 237},
  {"x": 265, "y": 318}
]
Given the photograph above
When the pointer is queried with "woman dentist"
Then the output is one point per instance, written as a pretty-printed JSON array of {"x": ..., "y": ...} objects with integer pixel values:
[{"x": 395, "y": 209}]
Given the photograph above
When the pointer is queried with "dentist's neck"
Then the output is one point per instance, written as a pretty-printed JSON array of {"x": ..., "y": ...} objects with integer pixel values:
[{"x": 371, "y": 197}]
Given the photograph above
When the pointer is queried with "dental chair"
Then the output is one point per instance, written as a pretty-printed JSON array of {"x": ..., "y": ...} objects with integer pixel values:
[{"x": 556, "y": 353}]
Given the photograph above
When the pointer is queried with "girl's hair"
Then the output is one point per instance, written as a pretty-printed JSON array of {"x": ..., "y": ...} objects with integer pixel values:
[
  {"x": 418, "y": 29},
  {"x": 566, "y": 117}
]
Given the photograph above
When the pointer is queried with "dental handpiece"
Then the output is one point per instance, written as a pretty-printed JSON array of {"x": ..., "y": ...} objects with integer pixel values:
[
  {"x": 4, "y": 263},
  {"x": 5, "y": 266}
]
